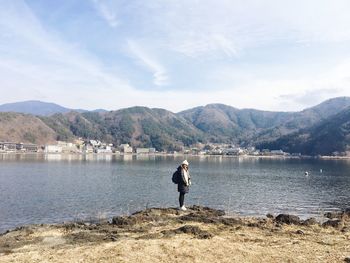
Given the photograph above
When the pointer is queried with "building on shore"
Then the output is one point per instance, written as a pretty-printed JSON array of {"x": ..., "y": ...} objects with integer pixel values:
[
  {"x": 142, "y": 150},
  {"x": 126, "y": 148},
  {"x": 87, "y": 148},
  {"x": 8, "y": 146},
  {"x": 103, "y": 149},
  {"x": 27, "y": 147},
  {"x": 18, "y": 147},
  {"x": 68, "y": 147},
  {"x": 53, "y": 148},
  {"x": 277, "y": 152}
]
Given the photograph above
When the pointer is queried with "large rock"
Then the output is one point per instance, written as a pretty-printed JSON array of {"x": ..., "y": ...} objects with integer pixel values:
[
  {"x": 123, "y": 221},
  {"x": 332, "y": 215},
  {"x": 288, "y": 219},
  {"x": 332, "y": 223},
  {"x": 309, "y": 222}
]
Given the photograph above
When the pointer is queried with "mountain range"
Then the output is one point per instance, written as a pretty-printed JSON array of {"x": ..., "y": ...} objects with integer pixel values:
[
  {"x": 322, "y": 129},
  {"x": 40, "y": 108}
]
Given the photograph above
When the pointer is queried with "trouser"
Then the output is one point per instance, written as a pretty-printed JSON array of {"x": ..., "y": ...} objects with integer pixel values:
[{"x": 181, "y": 199}]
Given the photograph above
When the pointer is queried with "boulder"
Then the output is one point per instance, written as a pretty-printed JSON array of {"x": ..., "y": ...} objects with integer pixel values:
[
  {"x": 332, "y": 223},
  {"x": 270, "y": 216},
  {"x": 123, "y": 221},
  {"x": 288, "y": 219},
  {"x": 309, "y": 222},
  {"x": 332, "y": 215}
]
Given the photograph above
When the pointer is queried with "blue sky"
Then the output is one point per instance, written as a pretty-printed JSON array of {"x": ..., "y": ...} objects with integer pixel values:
[{"x": 270, "y": 55}]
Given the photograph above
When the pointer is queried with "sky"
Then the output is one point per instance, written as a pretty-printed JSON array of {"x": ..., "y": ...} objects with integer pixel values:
[{"x": 279, "y": 55}]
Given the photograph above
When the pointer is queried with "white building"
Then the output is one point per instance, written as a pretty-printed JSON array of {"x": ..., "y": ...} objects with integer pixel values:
[
  {"x": 126, "y": 148},
  {"x": 68, "y": 147},
  {"x": 142, "y": 150},
  {"x": 53, "y": 149},
  {"x": 106, "y": 149},
  {"x": 277, "y": 152}
]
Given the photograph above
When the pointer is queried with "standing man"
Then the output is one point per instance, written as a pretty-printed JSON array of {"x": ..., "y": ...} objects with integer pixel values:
[{"x": 183, "y": 186}]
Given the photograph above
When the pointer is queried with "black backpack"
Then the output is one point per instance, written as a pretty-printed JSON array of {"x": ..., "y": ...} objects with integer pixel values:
[{"x": 176, "y": 177}]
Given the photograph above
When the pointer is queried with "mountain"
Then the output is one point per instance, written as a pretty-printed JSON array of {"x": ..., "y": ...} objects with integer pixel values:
[
  {"x": 140, "y": 126},
  {"x": 304, "y": 119},
  {"x": 224, "y": 123},
  {"x": 36, "y": 107},
  {"x": 326, "y": 137},
  {"x": 309, "y": 131},
  {"x": 19, "y": 127}
]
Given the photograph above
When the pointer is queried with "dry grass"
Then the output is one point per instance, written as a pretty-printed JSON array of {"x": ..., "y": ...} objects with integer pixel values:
[{"x": 156, "y": 238}]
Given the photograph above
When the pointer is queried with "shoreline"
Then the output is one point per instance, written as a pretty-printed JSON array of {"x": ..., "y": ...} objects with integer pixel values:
[
  {"x": 305, "y": 157},
  {"x": 200, "y": 234}
]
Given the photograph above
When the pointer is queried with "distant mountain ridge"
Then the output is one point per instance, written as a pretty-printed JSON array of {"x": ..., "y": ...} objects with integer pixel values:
[
  {"x": 36, "y": 107},
  {"x": 327, "y": 137},
  {"x": 213, "y": 123},
  {"x": 250, "y": 126}
]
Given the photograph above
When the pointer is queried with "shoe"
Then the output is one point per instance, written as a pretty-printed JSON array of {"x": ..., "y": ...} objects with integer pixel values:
[{"x": 183, "y": 208}]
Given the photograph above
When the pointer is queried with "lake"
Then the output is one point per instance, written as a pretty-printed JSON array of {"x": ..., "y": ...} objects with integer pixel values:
[{"x": 38, "y": 189}]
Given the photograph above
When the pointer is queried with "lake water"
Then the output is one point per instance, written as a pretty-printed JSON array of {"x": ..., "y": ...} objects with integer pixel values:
[{"x": 51, "y": 189}]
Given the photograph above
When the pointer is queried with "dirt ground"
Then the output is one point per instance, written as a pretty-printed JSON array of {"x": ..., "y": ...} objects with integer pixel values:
[{"x": 167, "y": 235}]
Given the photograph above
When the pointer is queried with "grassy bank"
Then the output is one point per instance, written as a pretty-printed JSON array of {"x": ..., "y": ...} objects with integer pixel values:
[{"x": 168, "y": 235}]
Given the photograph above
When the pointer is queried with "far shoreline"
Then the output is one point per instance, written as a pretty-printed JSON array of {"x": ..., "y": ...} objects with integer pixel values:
[{"x": 322, "y": 157}]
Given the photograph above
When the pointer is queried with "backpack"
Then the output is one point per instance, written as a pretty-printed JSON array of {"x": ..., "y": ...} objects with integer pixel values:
[{"x": 176, "y": 177}]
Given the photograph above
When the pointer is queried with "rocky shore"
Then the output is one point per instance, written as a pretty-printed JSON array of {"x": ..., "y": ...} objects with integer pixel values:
[{"x": 200, "y": 234}]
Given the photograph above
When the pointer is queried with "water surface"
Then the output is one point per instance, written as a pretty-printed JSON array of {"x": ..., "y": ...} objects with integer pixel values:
[{"x": 53, "y": 188}]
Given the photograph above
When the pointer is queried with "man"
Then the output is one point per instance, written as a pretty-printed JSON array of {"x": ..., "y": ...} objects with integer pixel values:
[{"x": 183, "y": 186}]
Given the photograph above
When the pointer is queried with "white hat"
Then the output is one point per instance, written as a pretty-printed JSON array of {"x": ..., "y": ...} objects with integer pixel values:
[{"x": 185, "y": 162}]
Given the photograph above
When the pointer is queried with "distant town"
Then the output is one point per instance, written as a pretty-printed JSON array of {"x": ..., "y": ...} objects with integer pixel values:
[{"x": 81, "y": 146}]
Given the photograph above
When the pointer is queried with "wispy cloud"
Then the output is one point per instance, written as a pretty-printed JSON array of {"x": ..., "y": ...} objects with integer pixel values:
[
  {"x": 106, "y": 13},
  {"x": 225, "y": 28},
  {"x": 36, "y": 59},
  {"x": 307, "y": 98},
  {"x": 246, "y": 54},
  {"x": 160, "y": 76}
]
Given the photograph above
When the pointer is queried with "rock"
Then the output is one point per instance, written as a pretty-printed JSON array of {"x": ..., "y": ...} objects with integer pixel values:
[
  {"x": 208, "y": 211},
  {"x": 196, "y": 231},
  {"x": 270, "y": 216},
  {"x": 288, "y": 219},
  {"x": 347, "y": 259},
  {"x": 332, "y": 215},
  {"x": 123, "y": 221},
  {"x": 309, "y": 222},
  {"x": 332, "y": 223},
  {"x": 300, "y": 232}
]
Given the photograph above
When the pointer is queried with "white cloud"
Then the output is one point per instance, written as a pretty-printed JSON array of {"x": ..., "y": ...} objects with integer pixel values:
[
  {"x": 160, "y": 77},
  {"x": 45, "y": 65},
  {"x": 106, "y": 13},
  {"x": 219, "y": 46},
  {"x": 224, "y": 28}
]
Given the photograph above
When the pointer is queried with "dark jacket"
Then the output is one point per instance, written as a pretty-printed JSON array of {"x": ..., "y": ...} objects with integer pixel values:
[{"x": 182, "y": 187}]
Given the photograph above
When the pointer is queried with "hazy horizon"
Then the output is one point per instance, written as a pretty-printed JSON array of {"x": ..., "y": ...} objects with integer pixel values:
[{"x": 116, "y": 109}]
